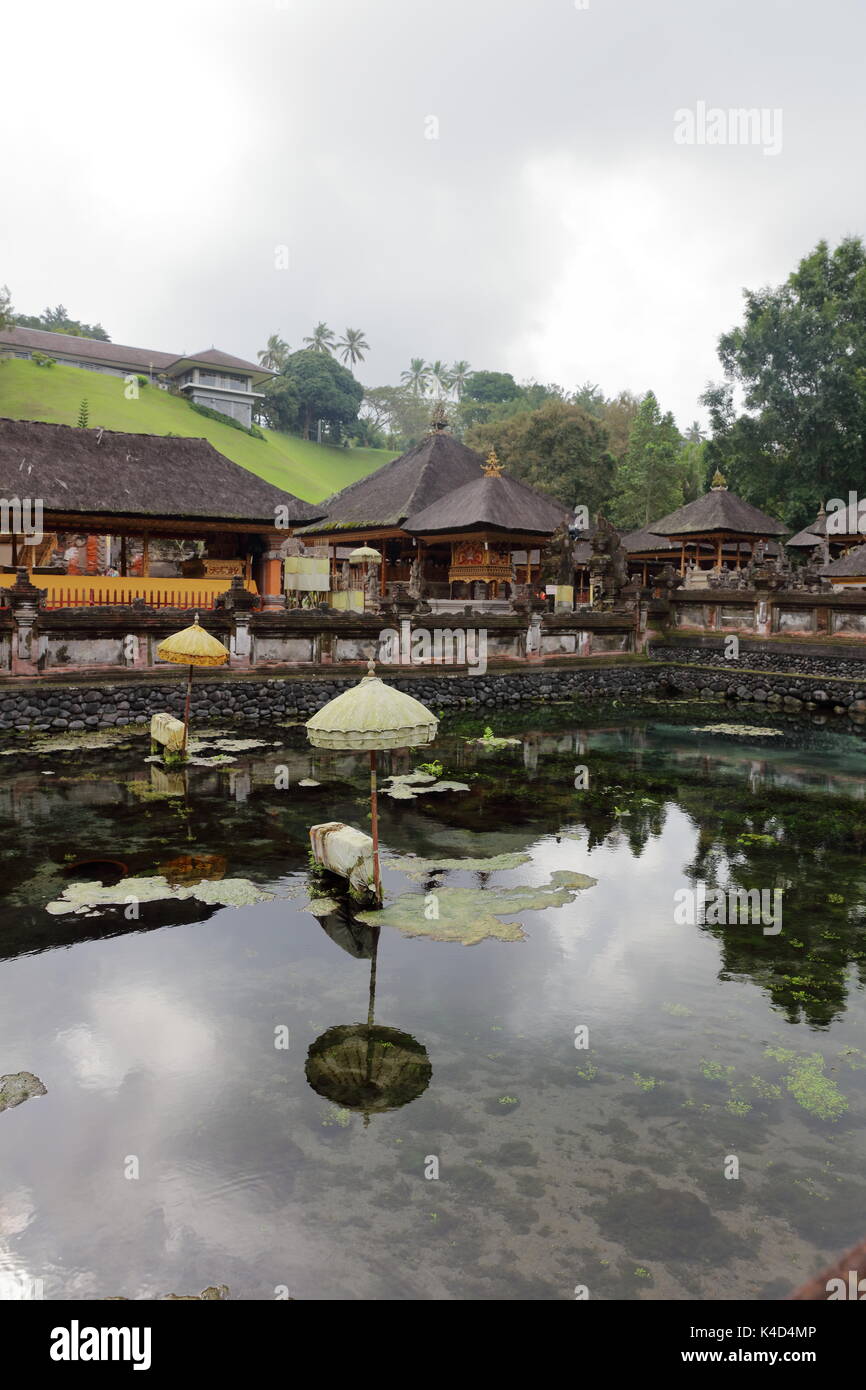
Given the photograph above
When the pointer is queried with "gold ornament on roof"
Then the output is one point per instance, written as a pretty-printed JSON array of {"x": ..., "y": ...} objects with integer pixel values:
[
  {"x": 492, "y": 468},
  {"x": 719, "y": 481}
]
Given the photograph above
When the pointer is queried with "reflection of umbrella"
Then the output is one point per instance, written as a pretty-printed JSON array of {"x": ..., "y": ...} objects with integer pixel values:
[
  {"x": 364, "y": 1066},
  {"x": 372, "y": 715},
  {"x": 364, "y": 553},
  {"x": 192, "y": 647}
]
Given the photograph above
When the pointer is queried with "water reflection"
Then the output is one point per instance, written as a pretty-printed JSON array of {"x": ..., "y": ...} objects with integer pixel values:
[
  {"x": 365, "y": 1066},
  {"x": 156, "y": 1036}
]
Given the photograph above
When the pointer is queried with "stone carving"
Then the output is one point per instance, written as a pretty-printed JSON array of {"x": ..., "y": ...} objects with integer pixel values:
[
  {"x": 417, "y": 586},
  {"x": 557, "y": 558},
  {"x": 608, "y": 566}
]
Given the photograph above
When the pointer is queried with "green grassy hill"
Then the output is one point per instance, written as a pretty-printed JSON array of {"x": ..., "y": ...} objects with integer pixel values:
[{"x": 311, "y": 471}]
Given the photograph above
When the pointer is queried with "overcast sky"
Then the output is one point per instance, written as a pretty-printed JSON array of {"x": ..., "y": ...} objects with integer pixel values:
[{"x": 156, "y": 156}]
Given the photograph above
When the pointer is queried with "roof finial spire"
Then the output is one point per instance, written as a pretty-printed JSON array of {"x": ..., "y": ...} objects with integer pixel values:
[
  {"x": 438, "y": 420},
  {"x": 719, "y": 483},
  {"x": 492, "y": 468}
]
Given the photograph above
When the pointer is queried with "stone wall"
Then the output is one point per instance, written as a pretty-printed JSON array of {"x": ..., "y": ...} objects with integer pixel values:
[{"x": 826, "y": 686}]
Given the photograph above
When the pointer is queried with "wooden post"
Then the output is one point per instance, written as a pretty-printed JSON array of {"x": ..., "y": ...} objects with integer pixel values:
[
  {"x": 374, "y": 819},
  {"x": 186, "y": 710},
  {"x": 145, "y": 557},
  {"x": 123, "y": 559},
  {"x": 718, "y": 553},
  {"x": 682, "y": 557}
]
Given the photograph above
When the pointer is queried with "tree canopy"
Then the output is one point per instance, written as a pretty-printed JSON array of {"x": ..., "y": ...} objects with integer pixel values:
[
  {"x": 57, "y": 320},
  {"x": 559, "y": 448},
  {"x": 798, "y": 362},
  {"x": 649, "y": 481},
  {"x": 325, "y": 390}
]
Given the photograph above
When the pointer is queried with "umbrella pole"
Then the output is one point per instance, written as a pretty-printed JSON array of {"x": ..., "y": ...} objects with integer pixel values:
[
  {"x": 374, "y": 815},
  {"x": 186, "y": 710}
]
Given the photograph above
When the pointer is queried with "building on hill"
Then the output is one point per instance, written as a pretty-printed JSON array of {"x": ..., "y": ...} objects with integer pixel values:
[
  {"x": 211, "y": 378},
  {"x": 110, "y": 501},
  {"x": 375, "y": 510}
]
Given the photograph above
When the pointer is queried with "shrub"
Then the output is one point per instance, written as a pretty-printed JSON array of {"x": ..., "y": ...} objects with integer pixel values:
[
  {"x": 41, "y": 359},
  {"x": 252, "y": 430}
]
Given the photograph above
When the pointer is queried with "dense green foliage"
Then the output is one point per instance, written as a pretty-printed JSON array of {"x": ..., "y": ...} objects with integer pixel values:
[
  {"x": 218, "y": 415},
  {"x": 559, "y": 448},
  {"x": 57, "y": 320},
  {"x": 321, "y": 388},
  {"x": 649, "y": 481},
  {"x": 799, "y": 362}
]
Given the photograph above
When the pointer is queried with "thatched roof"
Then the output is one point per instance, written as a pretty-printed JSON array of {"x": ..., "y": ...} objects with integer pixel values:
[
  {"x": 819, "y": 527},
  {"x": 637, "y": 542},
  {"x": 497, "y": 501},
  {"x": 718, "y": 510},
  {"x": 852, "y": 565},
  {"x": 807, "y": 538},
  {"x": 106, "y": 473},
  {"x": 436, "y": 466}
]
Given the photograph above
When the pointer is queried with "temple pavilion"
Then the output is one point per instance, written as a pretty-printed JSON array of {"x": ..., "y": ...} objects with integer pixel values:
[
  {"x": 704, "y": 530},
  {"x": 127, "y": 516},
  {"x": 832, "y": 536},
  {"x": 442, "y": 512},
  {"x": 484, "y": 522}
]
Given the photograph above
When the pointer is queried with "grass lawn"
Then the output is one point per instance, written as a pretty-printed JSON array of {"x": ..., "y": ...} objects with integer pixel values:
[{"x": 311, "y": 471}]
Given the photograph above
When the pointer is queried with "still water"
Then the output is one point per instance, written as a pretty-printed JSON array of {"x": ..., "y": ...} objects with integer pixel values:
[{"x": 180, "y": 1144}]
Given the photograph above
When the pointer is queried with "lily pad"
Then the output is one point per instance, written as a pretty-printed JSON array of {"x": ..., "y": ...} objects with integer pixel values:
[
  {"x": 421, "y": 869},
  {"x": 741, "y": 730},
  {"x": 470, "y": 915},
  {"x": 410, "y": 787},
  {"x": 19, "y": 1086},
  {"x": 309, "y": 782},
  {"x": 320, "y": 907},
  {"x": 224, "y": 892}
]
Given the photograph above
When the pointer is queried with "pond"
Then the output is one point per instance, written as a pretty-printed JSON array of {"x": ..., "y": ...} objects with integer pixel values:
[{"x": 590, "y": 1094}]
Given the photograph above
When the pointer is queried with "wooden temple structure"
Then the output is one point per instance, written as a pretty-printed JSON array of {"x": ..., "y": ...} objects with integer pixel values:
[
  {"x": 704, "y": 530},
  {"x": 485, "y": 522},
  {"x": 444, "y": 520},
  {"x": 110, "y": 503}
]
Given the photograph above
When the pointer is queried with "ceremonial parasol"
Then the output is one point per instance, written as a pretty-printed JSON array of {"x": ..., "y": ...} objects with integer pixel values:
[
  {"x": 364, "y": 553},
  {"x": 372, "y": 715},
  {"x": 192, "y": 647}
]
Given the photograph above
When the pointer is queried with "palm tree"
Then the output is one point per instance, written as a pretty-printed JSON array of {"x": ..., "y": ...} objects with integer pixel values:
[
  {"x": 418, "y": 376},
  {"x": 459, "y": 375},
  {"x": 273, "y": 355},
  {"x": 440, "y": 375},
  {"x": 322, "y": 339},
  {"x": 353, "y": 346}
]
